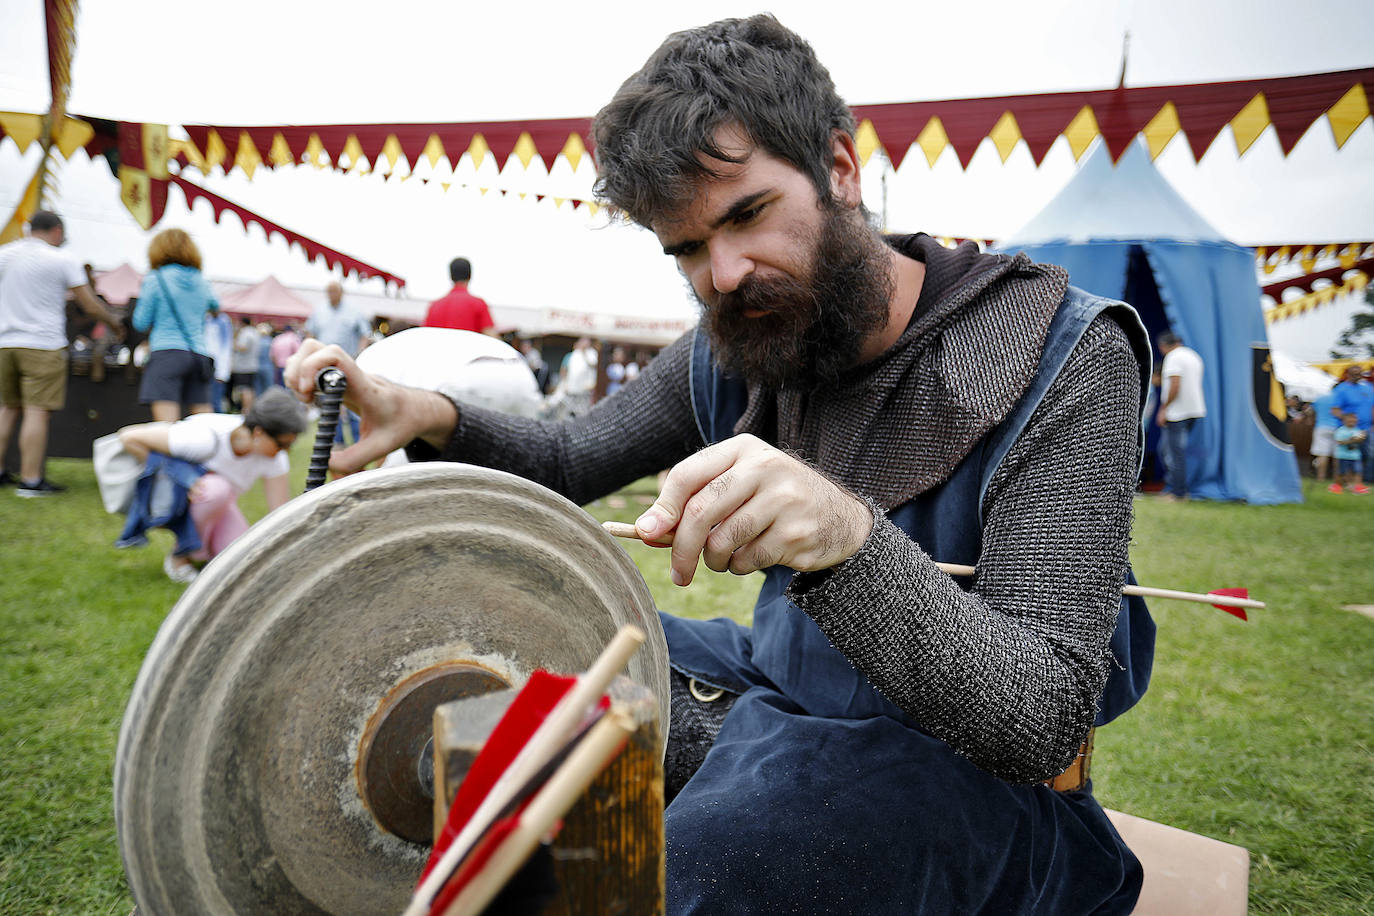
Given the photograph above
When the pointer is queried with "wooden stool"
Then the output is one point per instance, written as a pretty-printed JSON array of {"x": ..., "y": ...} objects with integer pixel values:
[
  {"x": 1185, "y": 873},
  {"x": 609, "y": 856}
]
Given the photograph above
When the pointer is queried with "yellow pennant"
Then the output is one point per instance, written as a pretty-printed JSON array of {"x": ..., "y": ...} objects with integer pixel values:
[
  {"x": 74, "y": 134},
  {"x": 478, "y": 150},
  {"x": 524, "y": 150},
  {"x": 314, "y": 152},
  {"x": 22, "y": 128},
  {"x": 215, "y": 150},
  {"x": 1005, "y": 134},
  {"x": 28, "y": 206},
  {"x": 280, "y": 152},
  {"x": 434, "y": 150},
  {"x": 247, "y": 157},
  {"x": 1348, "y": 114},
  {"x": 866, "y": 141},
  {"x": 155, "y": 150},
  {"x": 574, "y": 150},
  {"x": 188, "y": 149},
  {"x": 932, "y": 140},
  {"x": 1162, "y": 129},
  {"x": 1308, "y": 259},
  {"x": 392, "y": 152},
  {"x": 1081, "y": 132},
  {"x": 1247, "y": 126},
  {"x": 135, "y": 193},
  {"x": 354, "y": 151}
]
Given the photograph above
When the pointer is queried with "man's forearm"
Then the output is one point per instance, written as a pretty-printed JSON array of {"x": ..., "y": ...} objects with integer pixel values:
[
  {"x": 94, "y": 307},
  {"x": 638, "y": 432}
]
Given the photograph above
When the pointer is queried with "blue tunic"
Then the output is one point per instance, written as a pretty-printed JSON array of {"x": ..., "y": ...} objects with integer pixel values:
[{"x": 821, "y": 796}]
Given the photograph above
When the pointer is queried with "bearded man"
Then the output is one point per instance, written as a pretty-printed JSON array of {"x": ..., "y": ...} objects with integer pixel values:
[{"x": 853, "y": 409}]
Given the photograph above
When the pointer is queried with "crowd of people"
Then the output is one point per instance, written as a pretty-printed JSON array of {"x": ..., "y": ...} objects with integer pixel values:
[
  {"x": 1341, "y": 448},
  {"x": 220, "y": 419}
]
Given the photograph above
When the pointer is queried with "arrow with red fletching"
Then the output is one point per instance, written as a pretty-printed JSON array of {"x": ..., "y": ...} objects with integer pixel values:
[{"x": 1231, "y": 600}]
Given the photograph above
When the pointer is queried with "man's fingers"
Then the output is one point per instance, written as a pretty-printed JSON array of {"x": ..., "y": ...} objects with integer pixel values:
[
  {"x": 683, "y": 481},
  {"x": 307, "y": 362}
]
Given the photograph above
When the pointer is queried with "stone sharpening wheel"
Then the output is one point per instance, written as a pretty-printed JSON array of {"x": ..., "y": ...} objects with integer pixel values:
[{"x": 274, "y": 755}]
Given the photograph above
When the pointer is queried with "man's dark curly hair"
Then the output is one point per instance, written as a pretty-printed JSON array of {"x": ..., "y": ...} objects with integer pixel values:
[{"x": 752, "y": 73}]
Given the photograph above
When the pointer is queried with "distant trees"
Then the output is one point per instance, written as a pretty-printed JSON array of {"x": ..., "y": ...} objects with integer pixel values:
[{"x": 1357, "y": 340}]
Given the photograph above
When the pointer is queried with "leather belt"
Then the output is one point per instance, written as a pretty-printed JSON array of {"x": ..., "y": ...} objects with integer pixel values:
[{"x": 1075, "y": 778}]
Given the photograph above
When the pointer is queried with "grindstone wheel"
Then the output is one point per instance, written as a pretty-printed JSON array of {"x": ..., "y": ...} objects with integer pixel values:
[{"x": 273, "y": 756}]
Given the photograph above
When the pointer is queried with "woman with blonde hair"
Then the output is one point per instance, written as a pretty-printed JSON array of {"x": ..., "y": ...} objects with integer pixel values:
[{"x": 172, "y": 303}]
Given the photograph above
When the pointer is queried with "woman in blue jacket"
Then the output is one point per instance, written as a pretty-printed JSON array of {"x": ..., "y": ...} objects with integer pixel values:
[{"x": 172, "y": 302}]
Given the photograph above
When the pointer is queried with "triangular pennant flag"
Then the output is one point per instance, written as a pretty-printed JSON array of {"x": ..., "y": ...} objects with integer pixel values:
[
  {"x": 22, "y": 128},
  {"x": 866, "y": 141},
  {"x": 1162, "y": 129},
  {"x": 215, "y": 151},
  {"x": 434, "y": 150},
  {"x": 932, "y": 140},
  {"x": 247, "y": 158},
  {"x": 74, "y": 134},
  {"x": 574, "y": 150},
  {"x": 478, "y": 150},
  {"x": 1247, "y": 126},
  {"x": 1005, "y": 134},
  {"x": 280, "y": 151},
  {"x": 1348, "y": 114},
  {"x": 1081, "y": 132},
  {"x": 524, "y": 149}
]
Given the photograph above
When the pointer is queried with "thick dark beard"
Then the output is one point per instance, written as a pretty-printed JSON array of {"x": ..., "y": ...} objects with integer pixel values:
[{"x": 814, "y": 327}]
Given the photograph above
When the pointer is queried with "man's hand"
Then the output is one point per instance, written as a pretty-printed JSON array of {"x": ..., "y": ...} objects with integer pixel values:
[
  {"x": 391, "y": 415},
  {"x": 744, "y": 505}
]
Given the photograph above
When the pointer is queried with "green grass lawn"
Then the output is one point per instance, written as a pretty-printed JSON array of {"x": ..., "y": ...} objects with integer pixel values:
[{"x": 1259, "y": 734}]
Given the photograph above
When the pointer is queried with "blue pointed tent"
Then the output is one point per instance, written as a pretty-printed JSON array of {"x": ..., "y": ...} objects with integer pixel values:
[{"x": 1123, "y": 232}]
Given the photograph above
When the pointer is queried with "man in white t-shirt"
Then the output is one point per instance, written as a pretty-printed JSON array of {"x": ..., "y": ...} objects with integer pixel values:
[
  {"x": 35, "y": 279},
  {"x": 1181, "y": 406}
]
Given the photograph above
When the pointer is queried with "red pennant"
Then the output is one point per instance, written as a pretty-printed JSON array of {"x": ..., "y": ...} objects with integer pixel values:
[{"x": 1232, "y": 593}]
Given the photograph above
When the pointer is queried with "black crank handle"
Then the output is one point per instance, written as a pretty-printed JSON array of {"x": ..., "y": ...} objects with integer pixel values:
[{"x": 330, "y": 385}]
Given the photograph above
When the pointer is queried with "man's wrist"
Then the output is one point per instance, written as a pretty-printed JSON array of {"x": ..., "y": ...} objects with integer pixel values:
[{"x": 436, "y": 416}]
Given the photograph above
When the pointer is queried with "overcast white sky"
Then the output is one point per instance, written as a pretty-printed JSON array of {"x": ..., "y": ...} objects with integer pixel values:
[{"x": 256, "y": 61}]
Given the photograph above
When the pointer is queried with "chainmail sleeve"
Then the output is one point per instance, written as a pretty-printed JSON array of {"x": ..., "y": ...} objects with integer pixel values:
[
  {"x": 1010, "y": 673},
  {"x": 645, "y": 427}
]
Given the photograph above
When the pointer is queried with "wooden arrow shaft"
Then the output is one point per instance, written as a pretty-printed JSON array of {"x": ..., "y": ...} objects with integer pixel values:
[{"x": 625, "y": 530}]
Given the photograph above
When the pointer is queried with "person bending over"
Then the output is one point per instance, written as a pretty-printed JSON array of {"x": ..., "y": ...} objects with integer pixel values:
[{"x": 235, "y": 452}]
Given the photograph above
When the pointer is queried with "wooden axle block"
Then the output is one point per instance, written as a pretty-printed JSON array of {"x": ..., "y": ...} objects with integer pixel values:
[{"x": 609, "y": 855}]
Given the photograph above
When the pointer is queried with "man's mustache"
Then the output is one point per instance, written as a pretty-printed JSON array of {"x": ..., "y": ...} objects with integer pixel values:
[{"x": 764, "y": 295}]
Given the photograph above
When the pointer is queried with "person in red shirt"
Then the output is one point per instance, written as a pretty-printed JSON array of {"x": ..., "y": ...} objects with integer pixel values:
[{"x": 460, "y": 309}]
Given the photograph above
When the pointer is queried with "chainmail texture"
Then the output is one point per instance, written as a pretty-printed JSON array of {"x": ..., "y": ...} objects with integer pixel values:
[
  {"x": 1008, "y": 674},
  {"x": 692, "y": 729}
]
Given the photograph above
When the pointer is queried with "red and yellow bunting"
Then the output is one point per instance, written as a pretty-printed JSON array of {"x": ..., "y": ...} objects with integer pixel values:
[
  {"x": 1290, "y": 105},
  {"x": 1351, "y": 285}
]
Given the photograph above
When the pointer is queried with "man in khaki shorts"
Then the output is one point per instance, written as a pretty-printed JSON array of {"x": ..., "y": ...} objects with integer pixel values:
[{"x": 35, "y": 278}]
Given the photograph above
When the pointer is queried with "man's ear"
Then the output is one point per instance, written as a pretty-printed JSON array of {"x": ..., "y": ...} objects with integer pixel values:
[{"x": 844, "y": 170}]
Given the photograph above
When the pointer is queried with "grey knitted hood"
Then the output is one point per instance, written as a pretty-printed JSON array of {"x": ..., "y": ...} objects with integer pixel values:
[{"x": 897, "y": 426}]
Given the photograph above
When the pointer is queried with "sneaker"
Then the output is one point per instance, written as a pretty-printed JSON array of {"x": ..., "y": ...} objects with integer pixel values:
[
  {"x": 1359, "y": 488},
  {"x": 1334, "y": 488},
  {"x": 44, "y": 487},
  {"x": 184, "y": 573}
]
